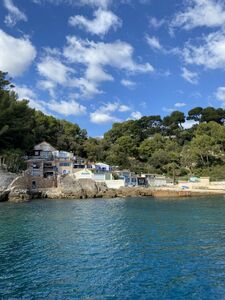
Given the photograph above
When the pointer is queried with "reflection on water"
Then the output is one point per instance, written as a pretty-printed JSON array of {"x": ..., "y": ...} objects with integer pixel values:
[{"x": 113, "y": 249}]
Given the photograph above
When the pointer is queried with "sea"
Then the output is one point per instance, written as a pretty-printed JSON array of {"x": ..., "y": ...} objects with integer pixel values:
[{"x": 136, "y": 248}]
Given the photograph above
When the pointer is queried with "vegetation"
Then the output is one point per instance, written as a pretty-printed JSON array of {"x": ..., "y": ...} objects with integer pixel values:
[{"x": 151, "y": 144}]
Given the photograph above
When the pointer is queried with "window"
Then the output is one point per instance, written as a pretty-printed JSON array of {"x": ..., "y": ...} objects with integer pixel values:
[{"x": 64, "y": 164}]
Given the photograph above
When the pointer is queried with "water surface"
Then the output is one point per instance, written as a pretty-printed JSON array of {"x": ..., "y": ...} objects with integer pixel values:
[{"x": 113, "y": 249}]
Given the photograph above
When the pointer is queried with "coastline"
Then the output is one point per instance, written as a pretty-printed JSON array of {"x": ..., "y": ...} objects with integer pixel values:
[
  {"x": 20, "y": 189},
  {"x": 53, "y": 194}
]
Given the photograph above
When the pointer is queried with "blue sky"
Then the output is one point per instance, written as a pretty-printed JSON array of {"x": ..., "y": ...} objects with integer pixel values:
[{"x": 95, "y": 62}]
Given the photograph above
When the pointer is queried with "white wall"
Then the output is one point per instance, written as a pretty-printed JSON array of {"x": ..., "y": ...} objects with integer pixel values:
[{"x": 115, "y": 184}]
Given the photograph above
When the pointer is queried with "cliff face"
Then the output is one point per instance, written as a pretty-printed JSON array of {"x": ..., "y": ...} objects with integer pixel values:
[
  {"x": 70, "y": 187},
  {"x": 6, "y": 178}
]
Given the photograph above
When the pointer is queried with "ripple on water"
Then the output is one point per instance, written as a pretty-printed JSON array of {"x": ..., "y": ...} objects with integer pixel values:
[{"x": 117, "y": 249}]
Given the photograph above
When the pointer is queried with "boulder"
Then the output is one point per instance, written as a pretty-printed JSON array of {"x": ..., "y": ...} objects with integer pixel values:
[
  {"x": 19, "y": 195},
  {"x": 6, "y": 178},
  {"x": 4, "y": 195}
]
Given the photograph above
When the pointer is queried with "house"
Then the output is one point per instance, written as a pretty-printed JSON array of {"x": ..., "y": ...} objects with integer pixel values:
[
  {"x": 46, "y": 161},
  {"x": 142, "y": 181},
  {"x": 43, "y": 151},
  {"x": 156, "y": 180},
  {"x": 41, "y": 161},
  {"x": 64, "y": 162},
  {"x": 103, "y": 176},
  {"x": 84, "y": 174},
  {"x": 101, "y": 167}
]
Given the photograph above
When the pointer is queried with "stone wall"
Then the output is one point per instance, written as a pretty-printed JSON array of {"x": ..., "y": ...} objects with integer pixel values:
[{"x": 33, "y": 183}]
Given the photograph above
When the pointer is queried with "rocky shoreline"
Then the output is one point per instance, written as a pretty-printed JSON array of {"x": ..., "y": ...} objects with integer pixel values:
[{"x": 15, "y": 189}]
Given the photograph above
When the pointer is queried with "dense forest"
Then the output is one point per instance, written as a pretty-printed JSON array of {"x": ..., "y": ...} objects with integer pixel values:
[{"x": 151, "y": 144}]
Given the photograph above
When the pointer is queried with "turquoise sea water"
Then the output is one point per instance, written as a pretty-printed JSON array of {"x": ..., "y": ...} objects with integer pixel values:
[{"x": 113, "y": 249}]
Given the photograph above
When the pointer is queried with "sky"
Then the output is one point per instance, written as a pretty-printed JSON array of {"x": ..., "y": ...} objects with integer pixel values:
[{"x": 96, "y": 62}]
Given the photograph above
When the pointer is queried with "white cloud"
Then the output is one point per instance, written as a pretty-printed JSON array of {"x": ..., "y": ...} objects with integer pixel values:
[
  {"x": 66, "y": 108},
  {"x": 103, "y": 21},
  {"x": 16, "y": 54},
  {"x": 210, "y": 54},
  {"x": 48, "y": 86},
  {"x": 209, "y": 13},
  {"x": 96, "y": 57},
  {"x": 191, "y": 77},
  {"x": 153, "y": 42},
  {"x": 24, "y": 92},
  {"x": 54, "y": 70},
  {"x": 168, "y": 109},
  {"x": 123, "y": 108},
  {"x": 220, "y": 94},
  {"x": 155, "y": 23},
  {"x": 99, "y": 55},
  {"x": 99, "y": 117},
  {"x": 14, "y": 14},
  {"x": 136, "y": 115},
  {"x": 180, "y": 104},
  {"x": 98, "y": 3},
  {"x": 176, "y": 106},
  {"x": 128, "y": 83},
  {"x": 104, "y": 114},
  {"x": 93, "y": 60},
  {"x": 87, "y": 88},
  {"x": 189, "y": 124},
  {"x": 94, "y": 3}
]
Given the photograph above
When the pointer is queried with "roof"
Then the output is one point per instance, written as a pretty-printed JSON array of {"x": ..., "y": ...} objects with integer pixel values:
[
  {"x": 44, "y": 146},
  {"x": 102, "y": 164}
]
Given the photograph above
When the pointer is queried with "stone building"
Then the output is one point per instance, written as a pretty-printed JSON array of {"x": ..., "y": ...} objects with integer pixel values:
[{"x": 41, "y": 161}]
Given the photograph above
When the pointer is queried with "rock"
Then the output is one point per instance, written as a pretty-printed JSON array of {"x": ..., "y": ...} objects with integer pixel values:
[
  {"x": 70, "y": 187},
  {"x": 4, "y": 195},
  {"x": 6, "y": 178},
  {"x": 134, "y": 192},
  {"x": 19, "y": 195}
]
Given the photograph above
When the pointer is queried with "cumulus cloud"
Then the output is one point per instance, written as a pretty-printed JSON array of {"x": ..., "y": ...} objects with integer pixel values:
[
  {"x": 16, "y": 54},
  {"x": 191, "y": 77},
  {"x": 101, "y": 24},
  {"x": 93, "y": 62},
  {"x": 153, "y": 42},
  {"x": 168, "y": 109},
  {"x": 96, "y": 57},
  {"x": 128, "y": 83},
  {"x": 155, "y": 23},
  {"x": 14, "y": 14},
  {"x": 47, "y": 85},
  {"x": 136, "y": 115},
  {"x": 54, "y": 70},
  {"x": 106, "y": 113},
  {"x": 123, "y": 108},
  {"x": 189, "y": 124},
  {"x": 197, "y": 13},
  {"x": 220, "y": 94},
  {"x": 180, "y": 104},
  {"x": 101, "y": 3},
  {"x": 209, "y": 54},
  {"x": 94, "y": 3},
  {"x": 27, "y": 93},
  {"x": 66, "y": 108}
]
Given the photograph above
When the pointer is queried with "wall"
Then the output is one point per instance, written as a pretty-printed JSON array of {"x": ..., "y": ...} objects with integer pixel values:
[
  {"x": 25, "y": 182},
  {"x": 115, "y": 184}
]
